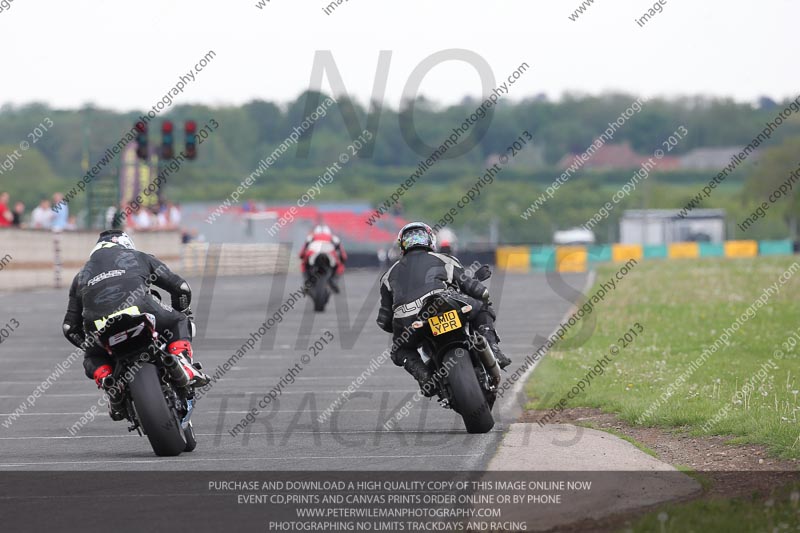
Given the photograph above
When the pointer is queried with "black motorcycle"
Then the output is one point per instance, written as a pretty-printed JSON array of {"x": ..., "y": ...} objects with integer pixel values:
[
  {"x": 465, "y": 370},
  {"x": 149, "y": 386},
  {"x": 320, "y": 271}
]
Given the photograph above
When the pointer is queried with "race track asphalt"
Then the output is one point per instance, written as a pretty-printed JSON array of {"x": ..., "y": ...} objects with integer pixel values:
[{"x": 288, "y": 436}]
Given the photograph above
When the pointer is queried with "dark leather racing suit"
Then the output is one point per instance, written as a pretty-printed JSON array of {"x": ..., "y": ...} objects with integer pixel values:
[
  {"x": 417, "y": 275},
  {"x": 116, "y": 278}
]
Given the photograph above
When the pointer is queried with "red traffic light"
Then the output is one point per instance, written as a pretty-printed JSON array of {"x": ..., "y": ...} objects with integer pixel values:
[
  {"x": 191, "y": 139},
  {"x": 141, "y": 140},
  {"x": 166, "y": 126}
]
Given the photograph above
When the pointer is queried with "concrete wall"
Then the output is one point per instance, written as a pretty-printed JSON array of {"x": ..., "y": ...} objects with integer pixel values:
[
  {"x": 36, "y": 249},
  {"x": 28, "y": 257}
]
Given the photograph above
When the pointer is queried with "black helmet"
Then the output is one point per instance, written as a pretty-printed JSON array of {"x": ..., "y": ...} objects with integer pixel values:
[
  {"x": 116, "y": 236},
  {"x": 416, "y": 235}
]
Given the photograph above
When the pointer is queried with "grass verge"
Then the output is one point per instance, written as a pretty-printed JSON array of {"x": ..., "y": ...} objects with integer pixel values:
[{"x": 746, "y": 386}]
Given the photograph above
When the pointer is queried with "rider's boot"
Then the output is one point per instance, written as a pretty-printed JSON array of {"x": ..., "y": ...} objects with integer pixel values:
[
  {"x": 183, "y": 351},
  {"x": 494, "y": 343},
  {"x": 104, "y": 379},
  {"x": 422, "y": 374}
]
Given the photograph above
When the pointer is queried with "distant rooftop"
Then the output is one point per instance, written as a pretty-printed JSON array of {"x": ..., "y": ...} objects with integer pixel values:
[
  {"x": 711, "y": 158},
  {"x": 673, "y": 213},
  {"x": 618, "y": 157}
]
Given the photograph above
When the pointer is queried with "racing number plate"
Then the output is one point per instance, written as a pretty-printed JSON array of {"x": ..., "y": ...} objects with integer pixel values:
[{"x": 443, "y": 323}]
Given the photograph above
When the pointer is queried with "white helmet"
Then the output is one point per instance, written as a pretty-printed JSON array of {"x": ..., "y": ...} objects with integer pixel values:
[
  {"x": 116, "y": 237},
  {"x": 322, "y": 228}
]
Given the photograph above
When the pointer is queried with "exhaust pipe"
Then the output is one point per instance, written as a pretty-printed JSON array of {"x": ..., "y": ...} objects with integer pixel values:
[
  {"x": 115, "y": 396},
  {"x": 175, "y": 370},
  {"x": 487, "y": 357},
  {"x": 111, "y": 388}
]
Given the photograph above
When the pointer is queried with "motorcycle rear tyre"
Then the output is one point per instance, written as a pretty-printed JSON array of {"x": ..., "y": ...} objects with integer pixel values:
[{"x": 468, "y": 398}]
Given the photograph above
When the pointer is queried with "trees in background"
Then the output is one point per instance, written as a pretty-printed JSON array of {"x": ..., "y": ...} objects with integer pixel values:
[
  {"x": 250, "y": 132},
  {"x": 776, "y": 174}
]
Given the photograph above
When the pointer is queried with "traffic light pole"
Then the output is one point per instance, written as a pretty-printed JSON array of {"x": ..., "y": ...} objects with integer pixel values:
[
  {"x": 156, "y": 157},
  {"x": 85, "y": 168}
]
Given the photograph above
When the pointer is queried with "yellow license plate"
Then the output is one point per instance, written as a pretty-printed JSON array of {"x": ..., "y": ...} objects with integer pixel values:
[{"x": 448, "y": 321}]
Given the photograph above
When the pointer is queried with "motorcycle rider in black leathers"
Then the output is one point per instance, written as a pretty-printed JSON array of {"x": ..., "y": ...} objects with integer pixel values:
[
  {"x": 116, "y": 277},
  {"x": 418, "y": 274}
]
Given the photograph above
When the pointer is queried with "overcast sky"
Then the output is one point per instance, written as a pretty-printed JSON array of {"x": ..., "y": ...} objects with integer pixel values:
[{"x": 125, "y": 55}]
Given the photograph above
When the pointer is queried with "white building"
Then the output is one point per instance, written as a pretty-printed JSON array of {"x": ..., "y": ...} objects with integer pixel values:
[{"x": 664, "y": 226}]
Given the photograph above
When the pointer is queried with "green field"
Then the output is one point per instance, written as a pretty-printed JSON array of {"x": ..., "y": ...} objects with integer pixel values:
[{"x": 744, "y": 389}]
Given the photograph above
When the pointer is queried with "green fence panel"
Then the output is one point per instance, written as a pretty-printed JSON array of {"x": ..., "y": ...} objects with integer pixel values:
[
  {"x": 655, "y": 251},
  {"x": 784, "y": 247},
  {"x": 712, "y": 249},
  {"x": 543, "y": 258},
  {"x": 599, "y": 253}
]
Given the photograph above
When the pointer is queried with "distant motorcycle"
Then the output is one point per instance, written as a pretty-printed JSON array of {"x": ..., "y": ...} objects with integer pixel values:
[
  {"x": 465, "y": 370},
  {"x": 321, "y": 265},
  {"x": 149, "y": 386}
]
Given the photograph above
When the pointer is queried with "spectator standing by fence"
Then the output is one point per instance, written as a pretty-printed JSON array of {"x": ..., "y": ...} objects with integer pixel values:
[
  {"x": 18, "y": 214},
  {"x": 5, "y": 213},
  {"x": 42, "y": 215},
  {"x": 60, "y": 217}
]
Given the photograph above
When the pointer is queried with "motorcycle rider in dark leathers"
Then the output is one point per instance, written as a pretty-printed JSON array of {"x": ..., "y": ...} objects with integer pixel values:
[
  {"x": 118, "y": 276},
  {"x": 419, "y": 273}
]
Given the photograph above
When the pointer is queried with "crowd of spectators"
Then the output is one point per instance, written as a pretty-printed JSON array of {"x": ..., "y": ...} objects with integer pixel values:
[
  {"x": 162, "y": 216},
  {"x": 41, "y": 217}
]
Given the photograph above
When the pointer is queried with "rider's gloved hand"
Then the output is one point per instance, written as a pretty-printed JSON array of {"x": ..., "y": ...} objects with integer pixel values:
[
  {"x": 483, "y": 273},
  {"x": 74, "y": 335},
  {"x": 190, "y": 315},
  {"x": 183, "y": 299}
]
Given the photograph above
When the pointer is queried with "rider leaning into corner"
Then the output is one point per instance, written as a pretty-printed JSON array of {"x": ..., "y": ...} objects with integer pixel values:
[
  {"x": 322, "y": 240},
  {"x": 419, "y": 273},
  {"x": 116, "y": 271}
]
